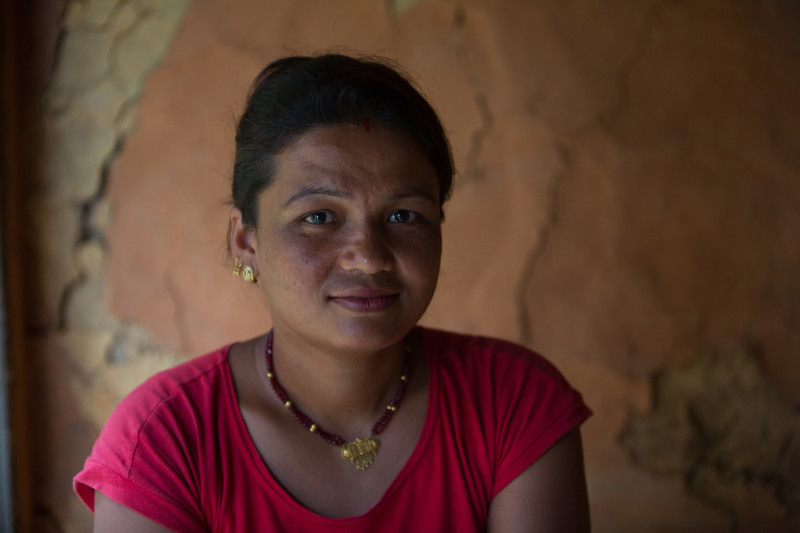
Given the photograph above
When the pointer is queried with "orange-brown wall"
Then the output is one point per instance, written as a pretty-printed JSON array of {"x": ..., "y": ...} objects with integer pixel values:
[{"x": 627, "y": 203}]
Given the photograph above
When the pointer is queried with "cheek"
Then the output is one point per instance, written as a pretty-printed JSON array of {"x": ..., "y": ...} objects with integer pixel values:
[
  {"x": 424, "y": 257},
  {"x": 303, "y": 260},
  {"x": 290, "y": 263}
]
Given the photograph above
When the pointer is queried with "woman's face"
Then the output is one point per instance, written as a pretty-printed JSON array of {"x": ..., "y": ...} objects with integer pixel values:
[{"x": 348, "y": 241}]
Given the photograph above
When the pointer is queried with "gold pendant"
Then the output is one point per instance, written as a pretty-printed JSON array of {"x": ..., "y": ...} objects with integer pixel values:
[{"x": 361, "y": 452}]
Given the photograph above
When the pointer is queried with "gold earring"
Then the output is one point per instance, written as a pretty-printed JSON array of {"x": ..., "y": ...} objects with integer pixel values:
[
  {"x": 237, "y": 266},
  {"x": 248, "y": 275}
]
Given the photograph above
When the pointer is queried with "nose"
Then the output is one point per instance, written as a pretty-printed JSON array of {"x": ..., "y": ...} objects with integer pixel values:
[{"x": 366, "y": 250}]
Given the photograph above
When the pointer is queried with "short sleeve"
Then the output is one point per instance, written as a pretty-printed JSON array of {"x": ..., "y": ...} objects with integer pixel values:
[
  {"x": 534, "y": 407},
  {"x": 145, "y": 458}
]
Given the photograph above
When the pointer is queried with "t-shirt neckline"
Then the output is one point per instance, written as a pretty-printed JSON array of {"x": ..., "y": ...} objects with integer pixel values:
[{"x": 417, "y": 453}]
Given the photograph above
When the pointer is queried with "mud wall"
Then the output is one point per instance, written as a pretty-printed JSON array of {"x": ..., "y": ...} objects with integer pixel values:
[{"x": 627, "y": 203}]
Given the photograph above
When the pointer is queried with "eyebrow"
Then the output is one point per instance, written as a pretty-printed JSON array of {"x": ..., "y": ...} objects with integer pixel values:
[
  {"x": 322, "y": 191},
  {"x": 313, "y": 191},
  {"x": 425, "y": 195}
]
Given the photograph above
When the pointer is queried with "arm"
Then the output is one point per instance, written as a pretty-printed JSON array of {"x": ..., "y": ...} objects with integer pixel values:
[
  {"x": 109, "y": 516},
  {"x": 549, "y": 496}
]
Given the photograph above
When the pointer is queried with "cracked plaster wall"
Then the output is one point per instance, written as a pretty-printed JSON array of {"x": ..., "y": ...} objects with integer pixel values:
[
  {"x": 627, "y": 199},
  {"x": 89, "y": 357}
]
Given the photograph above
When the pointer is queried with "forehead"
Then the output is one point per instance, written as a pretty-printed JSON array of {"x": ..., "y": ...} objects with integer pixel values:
[{"x": 355, "y": 158}]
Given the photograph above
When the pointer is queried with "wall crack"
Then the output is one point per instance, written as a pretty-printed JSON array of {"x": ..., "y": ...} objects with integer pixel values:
[
  {"x": 545, "y": 234},
  {"x": 605, "y": 116},
  {"x": 473, "y": 170}
]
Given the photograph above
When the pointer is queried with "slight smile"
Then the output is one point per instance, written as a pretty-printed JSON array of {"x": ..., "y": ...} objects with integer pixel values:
[{"x": 365, "y": 300}]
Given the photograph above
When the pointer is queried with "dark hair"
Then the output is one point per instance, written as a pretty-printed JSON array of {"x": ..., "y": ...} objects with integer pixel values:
[{"x": 295, "y": 94}]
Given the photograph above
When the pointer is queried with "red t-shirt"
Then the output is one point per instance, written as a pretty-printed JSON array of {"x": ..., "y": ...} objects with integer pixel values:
[{"x": 177, "y": 451}]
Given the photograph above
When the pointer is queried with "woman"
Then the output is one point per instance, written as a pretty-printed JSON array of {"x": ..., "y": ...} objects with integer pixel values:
[{"x": 346, "y": 416}]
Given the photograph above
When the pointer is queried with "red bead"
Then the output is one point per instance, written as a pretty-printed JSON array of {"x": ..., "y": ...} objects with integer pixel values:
[{"x": 307, "y": 423}]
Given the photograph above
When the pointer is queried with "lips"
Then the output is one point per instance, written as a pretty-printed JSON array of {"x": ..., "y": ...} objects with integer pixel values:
[{"x": 364, "y": 300}]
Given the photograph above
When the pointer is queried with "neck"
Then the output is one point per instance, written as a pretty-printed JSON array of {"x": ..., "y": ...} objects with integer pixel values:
[{"x": 342, "y": 392}]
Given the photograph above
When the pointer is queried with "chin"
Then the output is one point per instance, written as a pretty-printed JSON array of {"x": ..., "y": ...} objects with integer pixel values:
[{"x": 371, "y": 336}]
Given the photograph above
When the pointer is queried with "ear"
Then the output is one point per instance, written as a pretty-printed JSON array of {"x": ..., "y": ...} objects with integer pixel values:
[{"x": 241, "y": 240}]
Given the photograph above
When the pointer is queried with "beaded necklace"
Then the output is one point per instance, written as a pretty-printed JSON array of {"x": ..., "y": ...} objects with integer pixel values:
[{"x": 360, "y": 451}]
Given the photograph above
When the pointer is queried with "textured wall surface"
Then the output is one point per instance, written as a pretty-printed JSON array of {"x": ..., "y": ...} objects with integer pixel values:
[
  {"x": 84, "y": 356},
  {"x": 627, "y": 203}
]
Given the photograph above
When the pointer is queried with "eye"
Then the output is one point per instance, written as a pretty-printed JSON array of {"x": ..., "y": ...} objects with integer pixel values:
[
  {"x": 319, "y": 218},
  {"x": 403, "y": 216}
]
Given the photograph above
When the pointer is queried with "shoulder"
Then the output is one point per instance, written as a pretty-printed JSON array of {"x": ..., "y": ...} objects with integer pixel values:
[
  {"x": 180, "y": 382},
  {"x": 168, "y": 403},
  {"x": 489, "y": 357},
  {"x": 513, "y": 402},
  {"x": 469, "y": 345},
  {"x": 144, "y": 456},
  {"x": 511, "y": 387}
]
